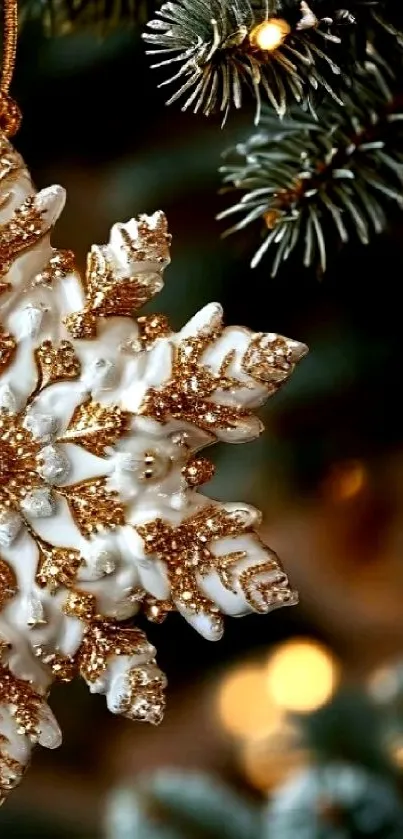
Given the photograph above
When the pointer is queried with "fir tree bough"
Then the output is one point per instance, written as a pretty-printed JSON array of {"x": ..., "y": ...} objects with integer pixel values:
[
  {"x": 279, "y": 48},
  {"x": 313, "y": 185}
]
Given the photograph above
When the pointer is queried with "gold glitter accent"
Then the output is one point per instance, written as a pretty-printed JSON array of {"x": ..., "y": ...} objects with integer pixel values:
[
  {"x": 198, "y": 470},
  {"x": 11, "y": 163},
  {"x": 63, "y": 667},
  {"x": 92, "y": 426},
  {"x": 8, "y": 583},
  {"x": 94, "y": 506},
  {"x": 81, "y": 605},
  {"x": 261, "y": 594},
  {"x": 8, "y": 347},
  {"x": 104, "y": 639},
  {"x": 145, "y": 700},
  {"x": 185, "y": 552},
  {"x": 24, "y": 229},
  {"x": 107, "y": 292},
  {"x": 56, "y": 363},
  {"x": 156, "y": 610},
  {"x": 11, "y": 770},
  {"x": 270, "y": 359},
  {"x": 18, "y": 461},
  {"x": 153, "y": 327},
  {"x": 22, "y": 701},
  {"x": 95, "y": 426},
  {"x": 187, "y": 395},
  {"x": 11, "y": 167},
  {"x": 154, "y": 241},
  {"x": 59, "y": 266},
  {"x": 56, "y": 566}
]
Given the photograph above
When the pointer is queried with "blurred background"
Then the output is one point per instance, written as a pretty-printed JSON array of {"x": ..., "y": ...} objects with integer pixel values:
[{"x": 318, "y": 685}]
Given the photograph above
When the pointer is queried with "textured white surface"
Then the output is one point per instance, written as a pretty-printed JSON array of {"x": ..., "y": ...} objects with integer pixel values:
[{"x": 116, "y": 370}]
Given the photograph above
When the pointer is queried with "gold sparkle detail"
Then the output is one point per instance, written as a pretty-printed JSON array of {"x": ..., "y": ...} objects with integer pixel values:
[
  {"x": 104, "y": 639},
  {"x": 94, "y": 506},
  {"x": 8, "y": 583},
  {"x": 56, "y": 363},
  {"x": 56, "y": 566},
  {"x": 188, "y": 395},
  {"x": 63, "y": 667},
  {"x": 144, "y": 700},
  {"x": 156, "y": 610},
  {"x": 198, "y": 470},
  {"x": 263, "y": 594},
  {"x": 11, "y": 167},
  {"x": 18, "y": 461},
  {"x": 155, "y": 241},
  {"x": 80, "y": 605},
  {"x": 22, "y": 701},
  {"x": 8, "y": 347},
  {"x": 25, "y": 228},
  {"x": 11, "y": 770},
  {"x": 185, "y": 551},
  {"x": 270, "y": 359},
  {"x": 59, "y": 266},
  {"x": 94, "y": 427},
  {"x": 153, "y": 327},
  {"x": 107, "y": 292}
]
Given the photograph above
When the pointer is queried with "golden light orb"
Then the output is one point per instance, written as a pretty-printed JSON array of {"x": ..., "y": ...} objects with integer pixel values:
[
  {"x": 301, "y": 676},
  {"x": 347, "y": 481},
  {"x": 270, "y": 34},
  {"x": 396, "y": 753},
  {"x": 269, "y": 762},
  {"x": 244, "y": 706}
]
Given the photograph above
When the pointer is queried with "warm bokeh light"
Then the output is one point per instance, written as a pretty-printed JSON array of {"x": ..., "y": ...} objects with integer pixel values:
[
  {"x": 270, "y": 34},
  {"x": 244, "y": 706},
  {"x": 268, "y": 763},
  {"x": 301, "y": 676},
  {"x": 383, "y": 685},
  {"x": 346, "y": 481},
  {"x": 396, "y": 753}
]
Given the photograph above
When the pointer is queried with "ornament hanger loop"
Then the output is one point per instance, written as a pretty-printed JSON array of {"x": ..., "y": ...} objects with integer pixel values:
[{"x": 10, "y": 115}]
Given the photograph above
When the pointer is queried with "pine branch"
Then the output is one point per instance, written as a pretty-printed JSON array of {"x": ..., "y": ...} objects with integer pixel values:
[
  {"x": 313, "y": 185},
  {"x": 286, "y": 50}
]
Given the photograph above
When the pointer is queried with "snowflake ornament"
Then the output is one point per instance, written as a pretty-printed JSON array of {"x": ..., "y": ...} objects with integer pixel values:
[{"x": 103, "y": 414}]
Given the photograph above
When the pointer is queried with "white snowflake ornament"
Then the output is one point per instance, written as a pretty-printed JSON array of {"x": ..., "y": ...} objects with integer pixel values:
[{"x": 103, "y": 414}]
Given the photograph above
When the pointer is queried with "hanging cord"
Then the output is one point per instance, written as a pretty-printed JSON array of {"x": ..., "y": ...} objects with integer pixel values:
[{"x": 10, "y": 115}]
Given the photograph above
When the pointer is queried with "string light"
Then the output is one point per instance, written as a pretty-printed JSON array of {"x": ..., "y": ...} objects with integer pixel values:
[
  {"x": 301, "y": 676},
  {"x": 270, "y": 34},
  {"x": 244, "y": 706}
]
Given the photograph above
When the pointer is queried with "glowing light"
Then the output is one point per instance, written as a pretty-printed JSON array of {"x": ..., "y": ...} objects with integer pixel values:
[
  {"x": 347, "y": 481},
  {"x": 270, "y": 34},
  {"x": 396, "y": 753},
  {"x": 266, "y": 764},
  {"x": 301, "y": 676},
  {"x": 385, "y": 684},
  {"x": 244, "y": 706}
]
